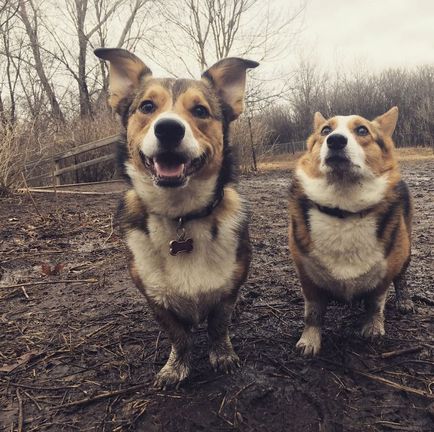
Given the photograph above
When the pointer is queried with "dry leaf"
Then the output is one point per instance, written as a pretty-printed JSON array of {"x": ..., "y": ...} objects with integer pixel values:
[
  {"x": 58, "y": 268},
  {"x": 47, "y": 270},
  {"x": 22, "y": 360}
]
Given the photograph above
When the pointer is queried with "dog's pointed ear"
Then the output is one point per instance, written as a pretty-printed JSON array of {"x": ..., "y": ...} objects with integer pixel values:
[
  {"x": 228, "y": 77},
  {"x": 318, "y": 120},
  {"x": 387, "y": 121},
  {"x": 125, "y": 73}
]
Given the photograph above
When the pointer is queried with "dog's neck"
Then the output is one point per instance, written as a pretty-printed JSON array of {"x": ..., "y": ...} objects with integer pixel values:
[
  {"x": 204, "y": 212},
  {"x": 174, "y": 203},
  {"x": 340, "y": 213},
  {"x": 352, "y": 198}
]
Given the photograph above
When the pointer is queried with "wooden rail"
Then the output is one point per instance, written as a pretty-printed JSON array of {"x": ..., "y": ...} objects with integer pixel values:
[
  {"x": 57, "y": 159},
  {"x": 289, "y": 147}
]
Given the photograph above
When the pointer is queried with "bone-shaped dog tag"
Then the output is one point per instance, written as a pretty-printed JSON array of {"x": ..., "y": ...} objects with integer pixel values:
[{"x": 179, "y": 246}]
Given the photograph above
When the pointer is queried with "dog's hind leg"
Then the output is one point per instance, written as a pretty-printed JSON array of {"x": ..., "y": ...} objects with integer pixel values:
[
  {"x": 221, "y": 353},
  {"x": 403, "y": 301},
  {"x": 178, "y": 365}
]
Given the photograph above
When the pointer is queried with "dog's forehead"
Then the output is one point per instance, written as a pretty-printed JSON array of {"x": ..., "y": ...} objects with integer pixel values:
[
  {"x": 177, "y": 87},
  {"x": 197, "y": 91},
  {"x": 347, "y": 122}
]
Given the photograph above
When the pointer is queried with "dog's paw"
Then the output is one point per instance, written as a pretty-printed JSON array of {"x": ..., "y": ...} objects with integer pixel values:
[
  {"x": 373, "y": 328},
  {"x": 224, "y": 360},
  {"x": 405, "y": 305},
  {"x": 171, "y": 375},
  {"x": 310, "y": 342}
]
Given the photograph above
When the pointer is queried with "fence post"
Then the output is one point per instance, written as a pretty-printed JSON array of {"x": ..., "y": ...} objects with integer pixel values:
[
  {"x": 255, "y": 167},
  {"x": 57, "y": 178}
]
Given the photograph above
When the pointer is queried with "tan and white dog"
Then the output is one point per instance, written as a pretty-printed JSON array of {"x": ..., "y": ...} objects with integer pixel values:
[
  {"x": 350, "y": 221},
  {"x": 183, "y": 220}
]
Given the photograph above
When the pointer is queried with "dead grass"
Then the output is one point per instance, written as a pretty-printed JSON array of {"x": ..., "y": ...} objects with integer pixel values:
[
  {"x": 415, "y": 153},
  {"x": 288, "y": 161}
]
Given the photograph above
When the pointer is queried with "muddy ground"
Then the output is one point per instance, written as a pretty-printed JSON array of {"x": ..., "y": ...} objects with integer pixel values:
[{"x": 81, "y": 356}]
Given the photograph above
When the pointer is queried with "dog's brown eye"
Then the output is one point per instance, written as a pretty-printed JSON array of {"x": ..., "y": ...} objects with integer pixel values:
[
  {"x": 200, "y": 111},
  {"x": 362, "y": 131},
  {"x": 326, "y": 130},
  {"x": 147, "y": 107}
]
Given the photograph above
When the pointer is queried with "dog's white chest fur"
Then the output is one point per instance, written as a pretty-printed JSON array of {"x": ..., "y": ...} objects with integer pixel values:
[
  {"x": 209, "y": 267},
  {"x": 346, "y": 256}
]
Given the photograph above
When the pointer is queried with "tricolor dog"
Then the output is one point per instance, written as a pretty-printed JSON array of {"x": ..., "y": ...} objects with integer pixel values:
[
  {"x": 350, "y": 221},
  {"x": 183, "y": 220}
]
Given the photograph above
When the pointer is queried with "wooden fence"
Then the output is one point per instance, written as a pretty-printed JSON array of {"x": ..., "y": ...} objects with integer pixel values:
[
  {"x": 57, "y": 165},
  {"x": 288, "y": 147}
]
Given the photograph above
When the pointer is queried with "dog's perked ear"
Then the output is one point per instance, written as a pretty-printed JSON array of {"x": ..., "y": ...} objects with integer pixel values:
[
  {"x": 228, "y": 77},
  {"x": 318, "y": 120},
  {"x": 125, "y": 74},
  {"x": 387, "y": 121}
]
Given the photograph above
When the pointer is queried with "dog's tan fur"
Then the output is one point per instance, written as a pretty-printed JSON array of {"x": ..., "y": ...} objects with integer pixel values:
[
  {"x": 358, "y": 255},
  {"x": 184, "y": 290}
]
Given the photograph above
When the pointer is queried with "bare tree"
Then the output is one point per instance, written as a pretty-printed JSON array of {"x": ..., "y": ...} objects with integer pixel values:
[
  {"x": 31, "y": 23},
  {"x": 7, "y": 16},
  {"x": 210, "y": 30},
  {"x": 88, "y": 21}
]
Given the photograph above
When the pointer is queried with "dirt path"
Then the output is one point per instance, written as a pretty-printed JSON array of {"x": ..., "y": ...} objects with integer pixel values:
[{"x": 72, "y": 354}]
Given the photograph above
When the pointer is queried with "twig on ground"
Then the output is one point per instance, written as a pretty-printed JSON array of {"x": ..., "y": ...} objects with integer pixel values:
[
  {"x": 33, "y": 387},
  {"x": 33, "y": 400},
  {"x": 102, "y": 396},
  {"x": 20, "y": 412},
  {"x": 25, "y": 293},
  {"x": 49, "y": 283},
  {"x": 31, "y": 197},
  {"x": 241, "y": 390},
  {"x": 394, "y": 384},
  {"x": 157, "y": 343},
  {"x": 423, "y": 299},
  {"x": 399, "y": 352},
  {"x": 111, "y": 230},
  {"x": 381, "y": 380}
]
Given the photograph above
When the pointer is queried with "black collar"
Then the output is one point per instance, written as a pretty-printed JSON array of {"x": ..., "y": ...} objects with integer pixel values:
[
  {"x": 218, "y": 196},
  {"x": 340, "y": 213}
]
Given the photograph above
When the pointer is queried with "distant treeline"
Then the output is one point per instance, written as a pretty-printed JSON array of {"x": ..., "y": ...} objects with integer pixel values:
[
  {"x": 283, "y": 118},
  {"x": 360, "y": 93}
]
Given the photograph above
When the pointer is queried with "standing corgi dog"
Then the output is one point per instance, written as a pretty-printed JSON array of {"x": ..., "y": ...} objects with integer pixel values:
[
  {"x": 184, "y": 222},
  {"x": 350, "y": 221}
]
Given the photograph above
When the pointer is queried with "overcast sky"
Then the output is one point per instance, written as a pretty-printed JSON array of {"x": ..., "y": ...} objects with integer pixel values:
[{"x": 381, "y": 33}]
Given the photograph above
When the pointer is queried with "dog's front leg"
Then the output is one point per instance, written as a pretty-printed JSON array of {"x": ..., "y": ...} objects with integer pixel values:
[
  {"x": 374, "y": 305},
  {"x": 178, "y": 365},
  {"x": 315, "y": 306},
  {"x": 221, "y": 353},
  {"x": 309, "y": 343}
]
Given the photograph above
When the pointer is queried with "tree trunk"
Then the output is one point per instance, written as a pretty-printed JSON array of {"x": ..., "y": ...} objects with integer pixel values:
[
  {"x": 85, "y": 104},
  {"x": 34, "y": 43}
]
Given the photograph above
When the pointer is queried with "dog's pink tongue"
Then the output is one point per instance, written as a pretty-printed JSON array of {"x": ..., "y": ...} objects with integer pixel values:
[{"x": 165, "y": 170}]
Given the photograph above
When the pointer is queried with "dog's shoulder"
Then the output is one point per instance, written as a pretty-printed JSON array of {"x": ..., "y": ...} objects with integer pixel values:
[{"x": 132, "y": 213}]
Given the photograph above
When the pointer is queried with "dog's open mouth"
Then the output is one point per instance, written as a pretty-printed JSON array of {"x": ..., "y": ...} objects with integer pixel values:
[{"x": 171, "y": 169}]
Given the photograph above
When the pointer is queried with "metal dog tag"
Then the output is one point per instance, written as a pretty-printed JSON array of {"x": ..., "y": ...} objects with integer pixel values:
[{"x": 179, "y": 246}]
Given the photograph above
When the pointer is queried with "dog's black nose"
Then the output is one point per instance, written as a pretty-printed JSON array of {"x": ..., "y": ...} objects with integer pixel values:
[
  {"x": 169, "y": 132},
  {"x": 336, "y": 141}
]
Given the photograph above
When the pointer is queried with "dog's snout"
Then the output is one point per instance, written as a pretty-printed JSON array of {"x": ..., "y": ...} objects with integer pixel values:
[
  {"x": 169, "y": 132},
  {"x": 336, "y": 141}
]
